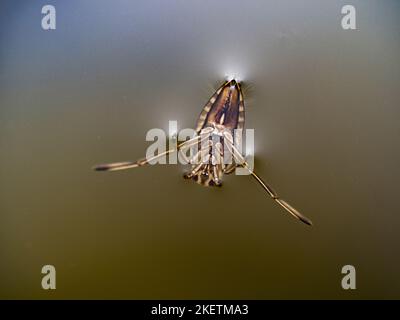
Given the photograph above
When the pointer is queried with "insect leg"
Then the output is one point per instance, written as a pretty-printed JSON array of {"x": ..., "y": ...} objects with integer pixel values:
[
  {"x": 240, "y": 160},
  {"x": 195, "y": 159},
  {"x": 194, "y": 171},
  {"x": 200, "y": 160},
  {"x": 217, "y": 162},
  {"x": 134, "y": 164}
]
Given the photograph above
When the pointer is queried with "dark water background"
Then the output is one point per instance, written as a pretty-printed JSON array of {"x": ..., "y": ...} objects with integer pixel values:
[{"x": 324, "y": 104}]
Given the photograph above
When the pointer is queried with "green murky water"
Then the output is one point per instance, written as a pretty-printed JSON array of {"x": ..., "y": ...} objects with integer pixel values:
[{"x": 324, "y": 104}]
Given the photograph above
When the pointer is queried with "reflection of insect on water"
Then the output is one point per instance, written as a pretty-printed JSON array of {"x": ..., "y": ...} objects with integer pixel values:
[{"x": 222, "y": 114}]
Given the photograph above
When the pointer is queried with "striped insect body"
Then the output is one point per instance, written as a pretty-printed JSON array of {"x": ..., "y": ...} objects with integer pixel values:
[{"x": 215, "y": 150}]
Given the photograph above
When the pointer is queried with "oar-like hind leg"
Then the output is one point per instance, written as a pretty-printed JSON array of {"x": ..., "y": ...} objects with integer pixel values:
[
  {"x": 142, "y": 162},
  {"x": 242, "y": 162}
]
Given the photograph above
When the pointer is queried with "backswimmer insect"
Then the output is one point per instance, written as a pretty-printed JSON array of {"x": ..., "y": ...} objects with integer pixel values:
[{"x": 223, "y": 113}]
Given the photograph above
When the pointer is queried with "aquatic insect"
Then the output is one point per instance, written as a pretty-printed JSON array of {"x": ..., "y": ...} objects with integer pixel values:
[{"x": 223, "y": 113}]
